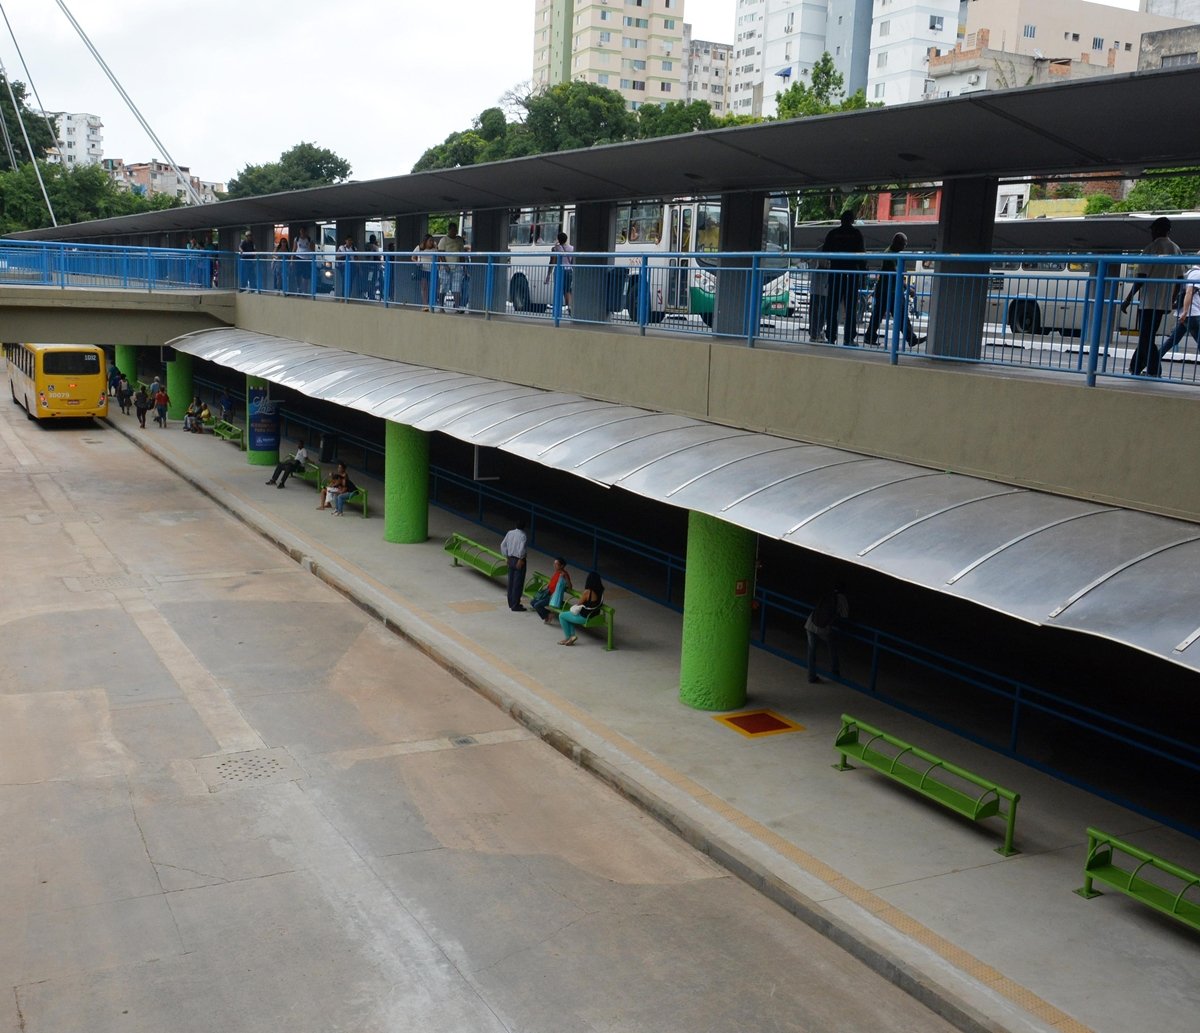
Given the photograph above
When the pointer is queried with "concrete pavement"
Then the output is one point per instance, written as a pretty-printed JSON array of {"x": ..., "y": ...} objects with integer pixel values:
[{"x": 989, "y": 942}]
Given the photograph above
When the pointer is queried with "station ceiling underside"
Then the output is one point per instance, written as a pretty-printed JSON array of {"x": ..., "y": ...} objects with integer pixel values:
[
  {"x": 1126, "y": 576},
  {"x": 1124, "y": 123}
]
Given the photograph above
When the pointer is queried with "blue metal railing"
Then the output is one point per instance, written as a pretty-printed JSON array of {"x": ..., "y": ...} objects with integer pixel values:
[{"x": 1062, "y": 313}]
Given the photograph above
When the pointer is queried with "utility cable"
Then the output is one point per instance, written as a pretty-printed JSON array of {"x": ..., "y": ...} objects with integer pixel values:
[
  {"x": 29, "y": 78},
  {"x": 8, "y": 147},
  {"x": 186, "y": 180},
  {"x": 37, "y": 171}
]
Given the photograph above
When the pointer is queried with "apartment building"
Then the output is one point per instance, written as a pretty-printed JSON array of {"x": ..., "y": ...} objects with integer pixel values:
[
  {"x": 635, "y": 47},
  {"x": 80, "y": 138},
  {"x": 150, "y": 178},
  {"x": 708, "y": 65},
  {"x": 903, "y": 35},
  {"x": 1074, "y": 29}
]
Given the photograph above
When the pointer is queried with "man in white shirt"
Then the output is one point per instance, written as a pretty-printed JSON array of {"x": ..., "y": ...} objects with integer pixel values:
[
  {"x": 287, "y": 467},
  {"x": 513, "y": 549},
  {"x": 450, "y": 270}
]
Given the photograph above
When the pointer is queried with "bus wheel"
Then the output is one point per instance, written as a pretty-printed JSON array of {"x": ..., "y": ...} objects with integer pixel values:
[
  {"x": 518, "y": 293},
  {"x": 1024, "y": 318},
  {"x": 707, "y": 317}
]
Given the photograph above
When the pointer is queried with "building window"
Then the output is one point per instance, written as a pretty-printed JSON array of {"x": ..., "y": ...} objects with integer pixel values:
[
  {"x": 605, "y": 37},
  {"x": 637, "y": 23},
  {"x": 1128, "y": 47},
  {"x": 668, "y": 23},
  {"x": 898, "y": 205},
  {"x": 668, "y": 66},
  {"x": 633, "y": 44},
  {"x": 602, "y": 78},
  {"x": 881, "y": 60},
  {"x": 1097, "y": 42},
  {"x": 885, "y": 27},
  {"x": 935, "y": 22},
  {"x": 639, "y": 84},
  {"x": 665, "y": 87},
  {"x": 1178, "y": 60},
  {"x": 1030, "y": 32},
  {"x": 879, "y": 91},
  {"x": 605, "y": 15}
]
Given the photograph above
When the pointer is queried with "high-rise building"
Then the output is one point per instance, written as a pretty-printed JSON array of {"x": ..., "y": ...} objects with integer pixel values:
[
  {"x": 776, "y": 42},
  {"x": 632, "y": 46},
  {"x": 707, "y": 72},
  {"x": 903, "y": 33},
  {"x": 80, "y": 140}
]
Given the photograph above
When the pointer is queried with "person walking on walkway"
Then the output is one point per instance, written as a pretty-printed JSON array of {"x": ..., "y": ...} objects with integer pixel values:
[
  {"x": 843, "y": 278},
  {"x": 1154, "y": 291},
  {"x": 1188, "y": 324},
  {"x": 884, "y": 297},
  {"x": 513, "y": 549},
  {"x": 141, "y": 403},
  {"x": 821, "y": 627},
  {"x": 161, "y": 401}
]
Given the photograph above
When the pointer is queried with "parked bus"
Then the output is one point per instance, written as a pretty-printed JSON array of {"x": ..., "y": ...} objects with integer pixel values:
[
  {"x": 52, "y": 381},
  {"x": 676, "y": 239}
]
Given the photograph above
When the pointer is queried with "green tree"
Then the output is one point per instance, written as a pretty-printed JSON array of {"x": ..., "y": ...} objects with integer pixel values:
[
  {"x": 674, "y": 118},
  {"x": 1098, "y": 204},
  {"x": 457, "y": 149},
  {"x": 78, "y": 195},
  {"x": 305, "y": 165},
  {"x": 40, "y": 137},
  {"x": 577, "y": 114},
  {"x": 824, "y": 92},
  {"x": 1163, "y": 194}
]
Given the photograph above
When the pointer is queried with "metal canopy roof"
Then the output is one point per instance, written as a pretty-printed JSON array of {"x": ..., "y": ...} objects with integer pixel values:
[
  {"x": 1125, "y": 123},
  {"x": 1127, "y": 576}
]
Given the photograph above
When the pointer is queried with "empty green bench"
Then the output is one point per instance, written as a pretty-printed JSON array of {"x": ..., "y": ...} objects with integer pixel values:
[
  {"x": 1101, "y": 865},
  {"x": 956, "y": 788},
  {"x": 486, "y": 561},
  {"x": 228, "y": 432},
  {"x": 605, "y": 618}
]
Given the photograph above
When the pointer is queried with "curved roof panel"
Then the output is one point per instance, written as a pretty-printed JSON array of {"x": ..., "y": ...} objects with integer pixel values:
[{"x": 1127, "y": 576}]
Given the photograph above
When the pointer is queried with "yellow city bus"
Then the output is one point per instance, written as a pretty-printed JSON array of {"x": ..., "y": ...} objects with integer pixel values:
[{"x": 52, "y": 381}]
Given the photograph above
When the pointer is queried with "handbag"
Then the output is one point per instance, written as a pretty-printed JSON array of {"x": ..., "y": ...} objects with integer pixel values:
[
  {"x": 577, "y": 609},
  {"x": 559, "y": 589}
]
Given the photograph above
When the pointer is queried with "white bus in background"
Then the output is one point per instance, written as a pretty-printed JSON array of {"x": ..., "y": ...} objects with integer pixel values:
[{"x": 677, "y": 239}]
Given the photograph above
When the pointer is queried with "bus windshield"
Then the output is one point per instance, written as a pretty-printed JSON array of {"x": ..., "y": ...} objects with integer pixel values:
[{"x": 71, "y": 364}]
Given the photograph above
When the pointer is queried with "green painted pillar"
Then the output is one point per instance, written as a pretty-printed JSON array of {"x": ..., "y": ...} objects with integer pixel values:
[
  {"x": 716, "y": 614},
  {"x": 405, "y": 484},
  {"x": 126, "y": 360},
  {"x": 179, "y": 385},
  {"x": 259, "y": 457}
]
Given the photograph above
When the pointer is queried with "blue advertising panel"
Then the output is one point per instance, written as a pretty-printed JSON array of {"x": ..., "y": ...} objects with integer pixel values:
[{"x": 263, "y": 421}]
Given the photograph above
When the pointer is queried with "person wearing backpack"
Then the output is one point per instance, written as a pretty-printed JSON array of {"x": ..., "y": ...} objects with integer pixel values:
[{"x": 821, "y": 627}]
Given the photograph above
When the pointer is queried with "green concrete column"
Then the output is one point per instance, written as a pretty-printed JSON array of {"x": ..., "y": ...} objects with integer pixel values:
[
  {"x": 716, "y": 614},
  {"x": 405, "y": 484},
  {"x": 257, "y": 457},
  {"x": 179, "y": 385},
  {"x": 126, "y": 360}
]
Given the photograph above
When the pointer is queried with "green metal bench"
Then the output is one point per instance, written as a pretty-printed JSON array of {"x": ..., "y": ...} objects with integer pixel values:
[
  {"x": 1101, "y": 864},
  {"x": 486, "y": 561},
  {"x": 973, "y": 797},
  {"x": 311, "y": 473},
  {"x": 605, "y": 618},
  {"x": 228, "y": 432}
]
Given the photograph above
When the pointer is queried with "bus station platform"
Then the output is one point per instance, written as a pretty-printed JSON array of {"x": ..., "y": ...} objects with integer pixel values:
[{"x": 917, "y": 892}]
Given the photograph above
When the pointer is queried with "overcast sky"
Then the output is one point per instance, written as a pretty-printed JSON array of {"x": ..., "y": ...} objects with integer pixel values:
[{"x": 226, "y": 83}]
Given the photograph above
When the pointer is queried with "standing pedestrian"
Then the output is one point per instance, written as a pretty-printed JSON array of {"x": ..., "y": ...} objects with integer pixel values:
[
  {"x": 423, "y": 257},
  {"x": 821, "y": 627},
  {"x": 303, "y": 251},
  {"x": 843, "y": 278},
  {"x": 124, "y": 394},
  {"x": 347, "y": 270},
  {"x": 513, "y": 549},
  {"x": 884, "y": 297},
  {"x": 246, "y": 270},
  {"x": 562, "y": 254},
  {"x": 1153, "y": 288},
  {"x": 450, "y": 282}
]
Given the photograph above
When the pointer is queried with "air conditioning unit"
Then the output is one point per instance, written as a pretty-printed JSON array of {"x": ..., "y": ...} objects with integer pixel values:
[{"x": 973, "y": 79}]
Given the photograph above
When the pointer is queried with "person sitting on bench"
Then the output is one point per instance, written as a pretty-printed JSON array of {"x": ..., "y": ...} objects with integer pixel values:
[
  {"x": 287, "y": 467},
  {"x": 588, "y": 606}
]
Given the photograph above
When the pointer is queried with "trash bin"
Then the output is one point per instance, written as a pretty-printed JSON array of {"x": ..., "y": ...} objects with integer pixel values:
[{"x": 328, "y": 448}]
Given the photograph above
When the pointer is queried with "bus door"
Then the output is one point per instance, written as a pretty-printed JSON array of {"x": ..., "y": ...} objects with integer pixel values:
[{"x": 680, "y": 240}]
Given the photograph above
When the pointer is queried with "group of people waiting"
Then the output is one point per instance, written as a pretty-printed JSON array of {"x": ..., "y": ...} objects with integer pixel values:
[{"x": 553, "y": 595}]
